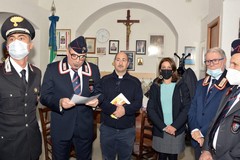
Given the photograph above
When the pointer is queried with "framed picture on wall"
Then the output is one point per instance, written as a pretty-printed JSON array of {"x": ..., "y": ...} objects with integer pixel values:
[
  {"x": 131, "y": 57},
  {"x": 141, "y": 47},
  {"x": 63, "y": 38},
  {"x": 93, "y": 60},
  {"x": 91, "y": 44},
  {"x": 101, "y": 50},
  {"x": 156, "y": 45},
  {"x": 113, "y": 46},
  {"x": 190, "y": 59}
]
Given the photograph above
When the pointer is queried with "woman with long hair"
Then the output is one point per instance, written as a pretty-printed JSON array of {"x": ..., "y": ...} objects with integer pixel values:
[{"x": 167, "y": 109}]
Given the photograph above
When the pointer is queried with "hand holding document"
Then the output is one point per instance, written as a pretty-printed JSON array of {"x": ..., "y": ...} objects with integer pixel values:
[
  {"x": 119, "y": 100},
  {"x": 81, "y": 99}
]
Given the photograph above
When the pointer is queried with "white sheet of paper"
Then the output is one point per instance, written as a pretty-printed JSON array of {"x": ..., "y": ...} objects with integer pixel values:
[{"x": 82, "y": 100}]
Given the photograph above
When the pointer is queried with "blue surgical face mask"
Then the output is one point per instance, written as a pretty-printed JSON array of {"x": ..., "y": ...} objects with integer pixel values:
[{"x": 214, "y": 73}]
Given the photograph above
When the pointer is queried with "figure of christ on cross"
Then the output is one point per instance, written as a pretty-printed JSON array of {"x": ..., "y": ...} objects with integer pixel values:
[{"x": 128, "y": 24}]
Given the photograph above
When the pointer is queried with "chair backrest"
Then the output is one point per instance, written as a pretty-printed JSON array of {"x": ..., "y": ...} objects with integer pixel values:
[
  {"x": 145, "y": 134},
  {"x": 144, "y": 149},
  {"x": 45, "y": 118}
]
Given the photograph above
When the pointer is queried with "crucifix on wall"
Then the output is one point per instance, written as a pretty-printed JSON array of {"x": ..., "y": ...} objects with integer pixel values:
[{"x": 128, "y": 23}]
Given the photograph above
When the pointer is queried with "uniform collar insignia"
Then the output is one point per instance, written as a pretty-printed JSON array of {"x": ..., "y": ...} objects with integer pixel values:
[
  {"x": 87, "y": 69},
  {"x": 7, "y": 66},
  {"x": 63, "y": 67},
  {"x": 206, "y": 81}
]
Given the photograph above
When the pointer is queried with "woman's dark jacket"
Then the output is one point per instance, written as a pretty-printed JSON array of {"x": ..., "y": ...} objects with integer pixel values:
[{"x": 181, "y": 102}]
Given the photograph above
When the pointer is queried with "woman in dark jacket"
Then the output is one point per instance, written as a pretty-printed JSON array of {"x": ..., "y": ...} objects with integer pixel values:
[{"x": 167, "y": 108}]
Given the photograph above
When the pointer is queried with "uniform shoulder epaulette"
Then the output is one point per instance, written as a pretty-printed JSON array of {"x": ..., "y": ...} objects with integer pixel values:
[
  {"x": 206, "y": 81},
  {"x": 221, "y": 83}
]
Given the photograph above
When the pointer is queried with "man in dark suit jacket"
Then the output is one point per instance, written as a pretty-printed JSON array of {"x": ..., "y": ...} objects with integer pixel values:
[
  {"x": 19, "y": 90},
  {"x": 222, "y": 141},
  {"x": 207, "y": 97},
  {"x": 71, "y": 123}
]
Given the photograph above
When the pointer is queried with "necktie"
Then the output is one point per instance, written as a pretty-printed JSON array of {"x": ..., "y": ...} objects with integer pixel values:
[
  {"x": 211, "y": 87},
  {"x": 224, "y": 112},
  {"x": 23, "y": 73},
  {"x": 76, "y": 83}
]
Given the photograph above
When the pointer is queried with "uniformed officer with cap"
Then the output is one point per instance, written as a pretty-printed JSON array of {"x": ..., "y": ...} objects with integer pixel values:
[
  {"x": 19, "y": 90},
  {"x": 223, "y": 137},
  {"x": 71, "y": 123}
]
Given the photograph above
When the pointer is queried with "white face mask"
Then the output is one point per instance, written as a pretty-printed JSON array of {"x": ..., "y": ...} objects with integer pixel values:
[
  {"x": 214, "y": 73},
  {"x": 233, "y": 76},
  {"x": 18, "y": 49}
]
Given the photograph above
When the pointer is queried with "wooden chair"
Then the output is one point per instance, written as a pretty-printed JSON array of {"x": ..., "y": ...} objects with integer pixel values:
[
  {"x": 45, "y": 117},
  {"x": 143, "y": 148}
]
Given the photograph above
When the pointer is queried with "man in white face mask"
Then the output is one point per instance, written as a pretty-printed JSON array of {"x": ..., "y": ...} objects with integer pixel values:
[
  {"x": 19, "y": 93},
  {"x": 223, "y": 137},
  {"x": 209, "y": 92}
]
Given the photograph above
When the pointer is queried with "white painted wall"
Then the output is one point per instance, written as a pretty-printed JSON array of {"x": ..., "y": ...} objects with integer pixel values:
[
  {"x": 184, "y": 16},
  {"x": 38, "y": 16}
]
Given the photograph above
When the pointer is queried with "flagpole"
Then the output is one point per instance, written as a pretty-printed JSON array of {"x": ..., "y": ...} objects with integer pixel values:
[{"x": 52, "y": 33}]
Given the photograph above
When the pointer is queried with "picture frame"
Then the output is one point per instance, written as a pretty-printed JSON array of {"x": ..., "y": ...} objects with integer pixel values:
[
  {"x": 113, "y": 46},
  {"x": 202, "y": 53},
  {"x": 156, "y": 45},
  {"x": 131, "y": 57},
  {"x": 190, "y": 49},
  {"x": 91, "y": 44},
  {"x": 63, "y": 38},
  {"x": 93, "y": 60},
  {"x": 141, "y": 47},
  {"x": 139, "y": 61},
  {"x": 101, "y": 50}
]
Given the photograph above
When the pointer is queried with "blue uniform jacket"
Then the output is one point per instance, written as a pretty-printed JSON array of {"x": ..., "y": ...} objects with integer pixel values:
[
  {"x": 56, "y": 85},
  {"x": 202, "y": 111}
]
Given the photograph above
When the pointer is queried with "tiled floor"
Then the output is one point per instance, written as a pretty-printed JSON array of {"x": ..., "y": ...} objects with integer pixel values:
[{"x": 186, "y": 155}]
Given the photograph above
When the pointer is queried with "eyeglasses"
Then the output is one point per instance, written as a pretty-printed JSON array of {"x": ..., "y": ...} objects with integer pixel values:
[
  {"x": 213, "y": 61},
  {"x": 75, "y": 56}
]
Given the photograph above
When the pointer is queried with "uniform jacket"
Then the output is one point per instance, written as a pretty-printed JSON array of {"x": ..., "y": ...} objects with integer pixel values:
[
  {"x": 57, "y": 84},
  {"x": 20, "y": 137},
  {"x": 181, "y": 102},
  {"x": 228, "y": 141},
  {"x": 202, "y": 111},
  {"x": 111, "y": 87}
]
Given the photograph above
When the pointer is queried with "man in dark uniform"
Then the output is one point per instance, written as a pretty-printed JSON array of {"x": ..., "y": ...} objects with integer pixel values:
[
  {"x": 19, "y": 90},
  {"x": 71, "y": 123},
  {"x": 222, "y": 141},
  {"x": 209, "y": 92}
]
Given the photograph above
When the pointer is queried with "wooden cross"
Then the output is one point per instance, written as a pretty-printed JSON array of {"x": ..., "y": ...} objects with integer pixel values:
[{"x": 128, "y": 24}]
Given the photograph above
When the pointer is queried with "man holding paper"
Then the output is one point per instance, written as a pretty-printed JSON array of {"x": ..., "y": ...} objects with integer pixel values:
[
  {"x": 121, "y": 98},
  {"x": 71, "y": 122}
]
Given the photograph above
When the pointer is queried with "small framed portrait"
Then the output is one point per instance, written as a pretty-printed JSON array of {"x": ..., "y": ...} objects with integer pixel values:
[
  {"x": 190, "y": 59},
  {"x": 131, "y": 57},
  {"x": 101, "y": 50},
  {"x": 156, "y": 45},
  {"x": 113, "y": 46},
  {"x": 93, "y": 60},
  {"x": 141, "y": 47},
  {"x": 63, "y": 38},
  {"x": 140, "y": 61},
  {"x": 91, "y": 44}
]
